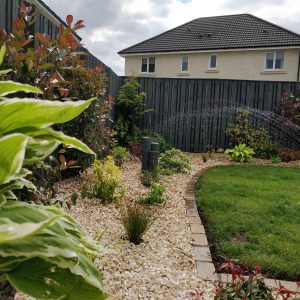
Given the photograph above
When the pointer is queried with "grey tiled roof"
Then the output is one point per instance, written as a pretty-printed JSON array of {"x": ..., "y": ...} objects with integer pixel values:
[{"x": 223, "y": 32}]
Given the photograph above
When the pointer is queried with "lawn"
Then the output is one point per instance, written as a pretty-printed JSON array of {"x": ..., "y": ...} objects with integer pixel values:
[{"x": 253, "y": 213}]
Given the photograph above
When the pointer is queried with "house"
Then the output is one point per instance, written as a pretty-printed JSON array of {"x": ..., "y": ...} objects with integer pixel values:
[{"x": 239, "y": 46}]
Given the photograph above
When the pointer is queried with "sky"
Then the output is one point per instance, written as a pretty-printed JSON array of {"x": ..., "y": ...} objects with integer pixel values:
[{"x": 112, "y": 25}]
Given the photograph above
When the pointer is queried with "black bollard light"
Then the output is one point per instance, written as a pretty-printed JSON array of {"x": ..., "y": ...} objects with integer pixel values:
[
  {"x": 146, "y": 148},
  {"x": 153, "y": 155}
]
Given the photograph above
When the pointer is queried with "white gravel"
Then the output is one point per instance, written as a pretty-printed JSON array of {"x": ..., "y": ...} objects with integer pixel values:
[{"x": 162, "y": 267}]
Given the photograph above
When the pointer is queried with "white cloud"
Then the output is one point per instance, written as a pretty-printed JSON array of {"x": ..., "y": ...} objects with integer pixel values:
[{"x": 116, "y": 24}]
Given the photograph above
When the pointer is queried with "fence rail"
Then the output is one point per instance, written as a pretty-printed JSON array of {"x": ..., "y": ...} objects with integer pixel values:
[{"x": 194, "y": 113}]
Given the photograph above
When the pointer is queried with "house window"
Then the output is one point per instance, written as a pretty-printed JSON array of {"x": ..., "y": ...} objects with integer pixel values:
[
  {"x": 274, "y": 61},
  {"x": 212, "y": 62},
  {"x": 185, "y": 64},
  {"x": 151, "y": 65},
  {"x": 148, "y": 65}
]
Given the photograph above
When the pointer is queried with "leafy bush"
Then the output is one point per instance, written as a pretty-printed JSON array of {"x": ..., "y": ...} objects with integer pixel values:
[
  {"x": 150, "y": 176},
  {"x": 240, "y": 153},
  {"x": 290, "y": 106},
  {"x": 246, "y": 284},
  {"x": 135, "y": 149},
  {"x": 289, "y": 155},
  {"x": 102, "y": 181},
  {"x": 129, "y": 108},
  {"x": 242, "y": 133},
  {"x": 119, "y": 154},
  {"x": 155, "y": 196},
  {"x": 174, "y": 161},
  {"x": 158, "y": 138},
  {"x": 44, "y": 253},
  {"x": 136, "y": 220},
  {"x": 276, "y": 159}
]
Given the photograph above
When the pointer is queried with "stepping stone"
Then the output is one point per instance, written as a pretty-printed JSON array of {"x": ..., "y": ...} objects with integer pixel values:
[{"x": 205, "y": 270}]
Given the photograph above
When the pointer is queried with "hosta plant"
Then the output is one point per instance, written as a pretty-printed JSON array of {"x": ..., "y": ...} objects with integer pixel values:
[
  {"x": 43, "y": 252},
  {"x": 240, "y": 153}
]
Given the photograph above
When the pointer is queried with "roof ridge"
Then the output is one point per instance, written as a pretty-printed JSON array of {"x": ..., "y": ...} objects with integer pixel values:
[{"x": 273, "y": 24}]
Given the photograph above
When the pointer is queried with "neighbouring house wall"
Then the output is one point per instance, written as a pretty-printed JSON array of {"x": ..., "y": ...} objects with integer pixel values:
[{"x": 242, "y": 65}]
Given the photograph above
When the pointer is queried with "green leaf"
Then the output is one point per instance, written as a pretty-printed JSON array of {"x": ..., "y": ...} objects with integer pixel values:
[
  {"x": 2, "y": 54},
  {"x": 13, "y": 148},
  {"x": 18, "y": 113},
  {"x": 48, "y": 134},
  {"x": 43, "y": 280},
  {"x": 51, "y": 252},
  {"x": 10, "y": 87},
  {"x": 3, "y": 72}
]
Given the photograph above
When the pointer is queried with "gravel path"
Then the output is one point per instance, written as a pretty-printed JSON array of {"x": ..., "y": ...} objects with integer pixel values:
[{"x": 162, "y": 267}]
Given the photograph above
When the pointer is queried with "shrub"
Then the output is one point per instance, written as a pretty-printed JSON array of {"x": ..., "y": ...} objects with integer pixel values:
[
  {"x": 289, "y": 154},
  {"x": 129, "y": 108},
  {"x": 276, "y": 159},
  {"x": 44, "y": 253},
  {"x": 290, "y": 107},
  {"x": 155, "y": 196},
  {"x": 150, "y": 176},
  {"x": 119, "y": 154},
  {"x": 102, "y": 181},
  {"x": 246, "y": 284},
  {"x": 174, "y": 161},
  {"x": 240, "y": 153},
  {"x": 136, "y": 220},
  {"x": 158, "y": 138},
  {"x": 242, "y": 133},
  {"x": 135, "y": 149}
]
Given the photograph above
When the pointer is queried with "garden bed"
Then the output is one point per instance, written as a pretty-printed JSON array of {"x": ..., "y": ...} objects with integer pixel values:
[
  {"x": 252, "y": 214},
  {"x": 163, "y": 266}
]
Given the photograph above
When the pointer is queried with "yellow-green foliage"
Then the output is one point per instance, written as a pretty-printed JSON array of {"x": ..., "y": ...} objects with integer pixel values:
[{"x": 102, "y": 181}]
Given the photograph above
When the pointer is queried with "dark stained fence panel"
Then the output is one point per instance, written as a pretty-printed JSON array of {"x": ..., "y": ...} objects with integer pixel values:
[{"x": 194, "y": 113}]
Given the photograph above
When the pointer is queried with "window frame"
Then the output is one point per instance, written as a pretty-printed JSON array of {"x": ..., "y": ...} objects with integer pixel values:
[
  {"x": 148, "y": 65},
  {"x": 181, "y": 69},
  {"x": 274, "y": 53},
  {"x": 209, "y": 62}
]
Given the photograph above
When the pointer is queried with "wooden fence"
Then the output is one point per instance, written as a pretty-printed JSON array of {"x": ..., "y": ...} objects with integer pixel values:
[{"x": 194, "y": 113}]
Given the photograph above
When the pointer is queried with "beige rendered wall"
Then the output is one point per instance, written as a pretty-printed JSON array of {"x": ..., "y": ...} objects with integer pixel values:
[{"x": 248, "y": 64}]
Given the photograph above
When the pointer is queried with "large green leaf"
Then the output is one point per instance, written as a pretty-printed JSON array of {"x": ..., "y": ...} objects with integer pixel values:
[
  {"x": 18, "y": 113},
  {"x": 12, "y": 154},
  {"x": 45, "y": 281},
  {"x": 58, "y": 136},
  {"x": 10, "y": 87},
  {"x": 53, "y": 239}
]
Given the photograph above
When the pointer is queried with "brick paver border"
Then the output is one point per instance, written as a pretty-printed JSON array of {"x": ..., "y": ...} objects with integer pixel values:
[{"x": 204, "y": 265}]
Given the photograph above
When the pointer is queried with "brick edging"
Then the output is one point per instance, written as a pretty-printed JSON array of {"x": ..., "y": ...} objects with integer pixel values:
[{"x": 204, "y": 265}]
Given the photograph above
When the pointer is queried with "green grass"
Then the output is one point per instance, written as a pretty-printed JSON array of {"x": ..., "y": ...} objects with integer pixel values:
[{"x": 253, "y": 213}]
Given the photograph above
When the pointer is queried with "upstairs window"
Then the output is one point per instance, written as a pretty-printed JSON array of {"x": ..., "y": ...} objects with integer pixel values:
[
  {"x": 185, "y": 63},
  {"x": 148, "y": 65},
  {"x": 274, "y": 60},
  {"x": 212, "y": 62}
]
